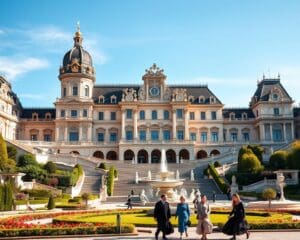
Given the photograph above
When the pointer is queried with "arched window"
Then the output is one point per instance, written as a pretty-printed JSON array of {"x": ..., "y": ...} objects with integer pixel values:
[
  {"x": 86, "y": 91},
  {"x": 75, "y": 90}
]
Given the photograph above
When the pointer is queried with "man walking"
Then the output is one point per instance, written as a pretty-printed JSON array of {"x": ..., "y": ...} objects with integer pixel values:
[{"x": 162, "y": 214}]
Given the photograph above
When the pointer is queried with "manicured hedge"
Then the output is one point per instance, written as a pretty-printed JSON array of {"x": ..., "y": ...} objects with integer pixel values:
[{"x": 218, "y": 179}]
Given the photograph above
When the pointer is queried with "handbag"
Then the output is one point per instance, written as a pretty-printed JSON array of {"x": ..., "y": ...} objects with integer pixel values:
[
  {"x": 188, "y": 223},
  {"x": 169, "y": 228}
]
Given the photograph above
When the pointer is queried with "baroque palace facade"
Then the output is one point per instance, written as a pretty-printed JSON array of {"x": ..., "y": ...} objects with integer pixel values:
[{"x": 129, "y": 122}]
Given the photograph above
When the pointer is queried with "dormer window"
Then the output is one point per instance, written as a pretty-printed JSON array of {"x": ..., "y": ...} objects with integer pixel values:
[
  {"x": 275, "y": 97},
  {"x": 212, "y": 99},
  {"x": 113, "y": 99},
  {"x": 201, "y": 99},
  {"x": 35, "y": 117},
  {"x": 244, "y": 116},
  {"x": 48, "y": 116},
  {"x": 232, "y": 116},
  {"x": 101, "y": 99},
  {"x": 191, "y": 99}
]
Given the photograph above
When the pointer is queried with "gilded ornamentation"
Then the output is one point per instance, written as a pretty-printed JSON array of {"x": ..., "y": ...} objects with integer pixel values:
[
  {"x": 154, "y": 71},
  {"x": 129, "y": 95}
]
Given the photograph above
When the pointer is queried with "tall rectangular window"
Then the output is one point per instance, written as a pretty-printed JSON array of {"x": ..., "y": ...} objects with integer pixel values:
[
  {"x": 74, "y": 113},
  {"x": 202, "y": 115},
  {"x": 113, "y": 137},
  {"x": 154, "y": 135},
  {"x": 180, "y": 134},
  {"x": 167, "y": 135},
  {"x": 73, "y": 136},
  {"x": 276, "y": 111},
  {"x": 246, "y": 136},
  {"x": 100, "y": 137},
  {"x": 47, "y": 137},
  {"x": 101, "y": 116},
  {"x": 85, "y": 113},
  {"x": 214, "y": 137},
  {"x": 204, "y": 137},
  {"x": 166, "y": 115},
  {"x": 129, "y": 135},
  {"x": 233, "y": 136},
  {"x": 33, "y": 137},
  {"x": 193, "y": 137},
  {"x": 142, "y": 115},
  {"x": 179, "y": 113},
  {"x": 62, "y": 113},
  {"x": 213, "y": 115},
  {"x": 75, "y": 91},
  {"x": 154, "y": 115},
  {"x": 129, "y": 113},
  {"x": 64, "y": 92},
  {"x": 142, "y": 135},
  {"x": 192, "y": 115},
  {"x": 113, "y": 116}
]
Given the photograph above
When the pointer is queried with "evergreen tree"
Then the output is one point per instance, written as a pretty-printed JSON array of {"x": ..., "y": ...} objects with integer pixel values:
[
  {"x": 3, "y": 154},
  {"x": 51, "y": 203}
]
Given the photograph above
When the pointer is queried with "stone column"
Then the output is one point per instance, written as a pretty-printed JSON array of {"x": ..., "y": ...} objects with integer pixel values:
[
  {"x": 262, "y": 132},
  {"x": 186, "y": 124},
  {"x": 106, "y": 136},
  {"x": 123, "y": 125},
  {"x": 174, "y": 125},
  {"x": 177, "y": 158},
  {"x": 284, "y": 138},
  {"x": 148, "y": 137},
  {"x": 135, "y": 127},
  {"x": 80, "y": 132},
  {"x": 66, "y": 134},
  {"x": 149, "y": 157},
  {"x": 209, "y": 135},
  {"x": 57, "y": 134},
  {"x": 271, "y": 132},
  {"x": 292, "y": 131},
  {"x": 161, "y": 133},
  {"x": 89, "y": 133}
]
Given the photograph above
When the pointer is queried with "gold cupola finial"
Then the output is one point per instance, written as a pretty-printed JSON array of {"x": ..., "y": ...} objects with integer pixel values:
[{"x": 78, "y": 36}]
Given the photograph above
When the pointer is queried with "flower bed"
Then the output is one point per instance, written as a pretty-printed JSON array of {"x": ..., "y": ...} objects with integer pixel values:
[{"x": 19, "y": 226}]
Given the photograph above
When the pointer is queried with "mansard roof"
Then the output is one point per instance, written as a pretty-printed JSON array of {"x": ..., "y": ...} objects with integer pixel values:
[
  {"x": 238, "y": 112},
  {"x": 27, "y": 112},
  {"x": 117, "y": 90},
  {"x": 264, "y": 90}
]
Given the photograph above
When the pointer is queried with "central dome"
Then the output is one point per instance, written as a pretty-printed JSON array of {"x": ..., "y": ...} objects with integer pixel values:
[{"x": 77, "y": 60}]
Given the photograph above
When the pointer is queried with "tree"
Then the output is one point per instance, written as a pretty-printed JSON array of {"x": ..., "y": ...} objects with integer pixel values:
[
  {"x": 6, "y": 164},
  {"x": 86, "y": 196},
  {"x": 258, "y": 151},
  {"x": 293, "y": 159},
  {"x": 249, "y": 163},
  {"x": 110, "y": 181},
  {"x": 32, "y": 172},
  {"x": 50, "y": 167},
  {"x": 278, "y": 160},
  {"x": 26, "y": 159},
  {"x": 12, "y": 152},
  {"x": 6, "y": 197},
  {"x": 269, "y": 194},
  {"x": 51, "y": 203}
]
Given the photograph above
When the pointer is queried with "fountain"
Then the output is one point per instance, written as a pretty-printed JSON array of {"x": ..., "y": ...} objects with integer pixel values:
[
  {"x": 177, "y": 174},
  {"x": 165, "y": 184},
  {"x": 192, "y": 175}
]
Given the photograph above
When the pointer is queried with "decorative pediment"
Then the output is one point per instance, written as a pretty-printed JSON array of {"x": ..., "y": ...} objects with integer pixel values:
[
  {"x": 179, "y": 95},
  {"x": 129, "y": 95}
]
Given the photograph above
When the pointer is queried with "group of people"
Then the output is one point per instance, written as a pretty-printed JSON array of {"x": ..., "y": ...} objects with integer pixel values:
[{"x": 236, "y": 224}]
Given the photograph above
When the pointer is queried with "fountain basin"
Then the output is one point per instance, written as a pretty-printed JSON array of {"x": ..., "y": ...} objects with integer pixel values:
[{"x": 165, "y": 184}]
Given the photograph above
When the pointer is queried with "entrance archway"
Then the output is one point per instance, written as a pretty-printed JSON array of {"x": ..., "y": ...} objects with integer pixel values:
[
  {"x": 214, "y": 152},
  {"x": 98, "y": 154},
  {"x": 128, "y": 155},
  {"x": 155, "y": 156},
  {"x": 111, "y": 155},
  {"x": 75, "y": 152},
  {"x": 201, "y": 154},
  {"x": 184, "y": 154},
  {"x": 142, "y": 156},
  {"x": 171, "y": 156}
]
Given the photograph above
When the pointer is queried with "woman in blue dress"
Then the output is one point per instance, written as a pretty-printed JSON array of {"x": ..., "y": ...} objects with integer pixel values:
[{"x": 183, "y": 214}]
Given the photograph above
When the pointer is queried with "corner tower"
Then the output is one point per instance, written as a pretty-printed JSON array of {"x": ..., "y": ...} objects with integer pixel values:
[{"x": 74, "y": 107}]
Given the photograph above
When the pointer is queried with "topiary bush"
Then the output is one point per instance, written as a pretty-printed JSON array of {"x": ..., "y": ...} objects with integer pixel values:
[
  {"x": 258, "y": 151},
  {"x": 51, "y": 203},
  {"x": 6, "y": 164},
  {"x": 278, "y": 160},
  {"x": 269, "y": 194},
  {"x": 103, "y": 166},
  {"x": 110, "y": 181},
  {"x": 249, "y": 163},
  {"x": 50, "y": 167},
  {"x": 293, "y": 159},
  {"x": 115, "y": 173},
  {"x": 218, "y": 179}
]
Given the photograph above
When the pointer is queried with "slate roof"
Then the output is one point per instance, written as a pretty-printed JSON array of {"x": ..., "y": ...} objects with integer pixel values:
[
  {"x": 264, "y": 88},
  {"x": 238, "y": 112},
  {"x": 27, "y": 112},
  {"x": 192, "y": 90}
]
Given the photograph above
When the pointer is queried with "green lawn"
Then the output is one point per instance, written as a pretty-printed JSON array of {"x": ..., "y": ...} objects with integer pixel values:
[{"x": 143, "y": 219}]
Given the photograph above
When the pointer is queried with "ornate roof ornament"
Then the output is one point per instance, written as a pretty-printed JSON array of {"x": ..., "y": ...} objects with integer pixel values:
[
  {"x": 179, "y": 95},
  {"x": 154, "y": 71},
  {"x": 129, "y": 95}
]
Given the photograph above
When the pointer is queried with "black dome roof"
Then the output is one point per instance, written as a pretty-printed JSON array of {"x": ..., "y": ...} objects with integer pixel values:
[{"x": 77, "y": 60}]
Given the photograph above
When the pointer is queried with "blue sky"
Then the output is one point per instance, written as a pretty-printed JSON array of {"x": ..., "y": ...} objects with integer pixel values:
[{"x": 225, "y": 44}]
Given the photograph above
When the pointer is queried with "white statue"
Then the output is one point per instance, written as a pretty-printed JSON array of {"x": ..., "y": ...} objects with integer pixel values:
[
  {"x": 136, "y": 177},
  {"x": 192, "y": 175},
  {"x": 177, "y": 175},
  {"x": 149, "y": 175}
]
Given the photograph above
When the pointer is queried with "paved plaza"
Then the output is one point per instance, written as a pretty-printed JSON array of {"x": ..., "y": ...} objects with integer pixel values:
[{"x": 291, "y": 235}]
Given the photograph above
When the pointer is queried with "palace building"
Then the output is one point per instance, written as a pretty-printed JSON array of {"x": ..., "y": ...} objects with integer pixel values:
[{"x": 134, "y": 122}]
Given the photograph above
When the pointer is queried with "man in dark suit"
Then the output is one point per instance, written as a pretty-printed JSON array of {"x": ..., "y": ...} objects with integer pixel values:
[{"x": 162, "y": 214}]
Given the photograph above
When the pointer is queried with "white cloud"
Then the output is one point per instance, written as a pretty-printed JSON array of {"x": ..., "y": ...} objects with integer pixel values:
[
  {"x": 13, "y": 67},
  {"x": 2, "y": 32},
  {"x": 48, "y": 34},
  {"x": 31, "y": 96}
]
